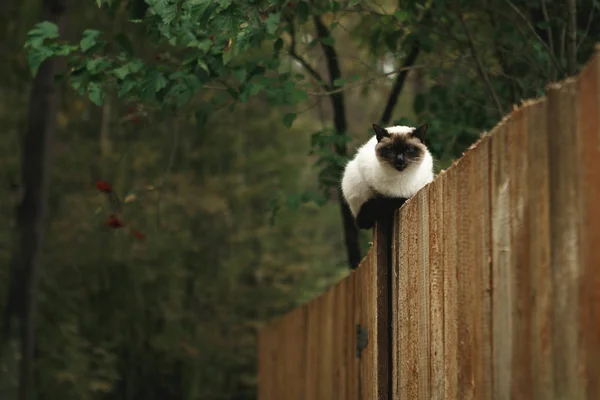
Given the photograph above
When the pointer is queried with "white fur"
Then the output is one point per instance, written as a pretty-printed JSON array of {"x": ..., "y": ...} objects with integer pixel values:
[{"x": 366, "y": 173}]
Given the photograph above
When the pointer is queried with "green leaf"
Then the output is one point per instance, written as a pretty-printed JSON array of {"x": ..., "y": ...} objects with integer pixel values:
[
  {"x": 40, "y": 32},
  {"x": 64, "y": 50},
  {"x": 240, "y": 74},
  {"x": 121, "y": 72},
  {"x": 97, "y": 65},
  {"x": 96, "y": 93},
  {"x": 278, "y": 45},
  {"x": 89, "y": 39},
  {"x": 135, "y": 65},
  {"x": 203, "y": 65},
  {"x": 126, "y": 87},
  {"x": 288, "y": 119},
  {"x": 36, "y": 57},
  {"x": 339, "y": 82},
  {"x": 328, "y": 41},
  {"x": 352, "y": 3},
  {"x": 272, "y": 23},
  {"x": 227, "y": 56},
  {"x": 402, "y": 15},
  {"x": 152, "y": 83},
  {"x": 255, "y": 88},
  {"x": 298, "y": 96}
]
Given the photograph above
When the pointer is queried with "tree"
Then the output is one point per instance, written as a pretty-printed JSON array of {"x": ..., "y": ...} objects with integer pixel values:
[{"x": 31, "y": 212}]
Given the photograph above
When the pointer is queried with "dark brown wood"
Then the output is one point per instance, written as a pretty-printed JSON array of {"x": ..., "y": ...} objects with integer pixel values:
[{"x": 383, "y": 234}]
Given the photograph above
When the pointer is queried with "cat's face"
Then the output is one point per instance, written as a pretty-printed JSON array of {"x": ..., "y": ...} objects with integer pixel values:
[{"x": 400, "y": 150}]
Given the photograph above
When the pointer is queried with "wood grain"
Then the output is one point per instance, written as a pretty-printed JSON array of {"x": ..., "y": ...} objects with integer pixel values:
[
  {"x": 541, "y": 360},
  {"x": 436, "y": 288},
  {"x": 565, "y": 220}
]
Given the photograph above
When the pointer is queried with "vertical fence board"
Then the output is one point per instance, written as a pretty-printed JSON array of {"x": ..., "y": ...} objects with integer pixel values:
[
  {"x": 521, "y": 374},
  {"x": 589, "y": 299},
  {"x": 396, "y": 300},
  {"x": 407, "y": 304},
  {"x": 501, "y": 275},
  {"x": 473, "y": 273},
  {"x": 565, "y": 238},
  {"x": 436, "y": 288},
  {"x": 369, "y": 378},
  {"x": 449, "y": 244},
  {"x": 541, "y": 362},
  {"x": 422, "y": 268}
]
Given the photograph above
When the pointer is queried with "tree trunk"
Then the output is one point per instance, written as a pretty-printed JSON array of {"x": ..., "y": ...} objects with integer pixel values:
[
  {"x": 386, "y": 117},
  {"x": 36, "y": 162},
  {"x": 341, "y": 126}
]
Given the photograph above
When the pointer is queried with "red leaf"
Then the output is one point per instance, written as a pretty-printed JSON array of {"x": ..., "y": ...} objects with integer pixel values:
[
  {"x": 113, "y": 222},
  {"x": 137, "y": 234},
  {"x": 103, "y": 186},
  {"x": 134, "y": 120}
]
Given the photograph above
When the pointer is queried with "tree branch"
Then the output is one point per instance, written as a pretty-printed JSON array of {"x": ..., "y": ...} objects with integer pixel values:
[
  {"x": 481, "y": 69},
  {"x": 399, "y": 83},
  {"x": 313, "y": 72},
  {"x": 532, "y": 29},
  {"x": 587, "y": 27},
  {"x": 548, "y": 29},
  {"x": 365, "y": 81},
  {"x": 572, "y": 38}
]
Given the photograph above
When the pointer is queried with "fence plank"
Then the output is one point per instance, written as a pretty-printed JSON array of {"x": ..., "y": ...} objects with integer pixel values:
[
  {"x": 407, "y": 258},
  {"x": 473, "y": 265},
  {"x": 565, "y": 236},
  {"x": 539, "y": 251},
  {"x": 436, "y": 288},
  {"x": 450, "y": 248},
  {"x": 520, "y": 284},
  {"x": 413, "y": 295},
  {"x": 501, "y": 271},
  {"x": 589, "y": 299}
]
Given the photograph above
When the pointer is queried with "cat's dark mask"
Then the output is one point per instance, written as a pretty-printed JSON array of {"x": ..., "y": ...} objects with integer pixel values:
[{"x": 400, "y": 150}]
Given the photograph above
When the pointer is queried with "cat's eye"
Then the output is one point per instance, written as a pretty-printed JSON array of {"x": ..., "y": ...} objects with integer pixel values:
[{"x": 412, "y": 150}]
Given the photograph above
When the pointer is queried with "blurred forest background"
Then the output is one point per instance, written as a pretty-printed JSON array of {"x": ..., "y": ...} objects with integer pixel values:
[{"x": 222, "y": 126}]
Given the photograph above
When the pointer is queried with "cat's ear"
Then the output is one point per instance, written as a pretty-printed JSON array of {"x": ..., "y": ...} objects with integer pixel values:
[
  {"x": 419, "y": 132},
  {"x": 380, "y": 132}
]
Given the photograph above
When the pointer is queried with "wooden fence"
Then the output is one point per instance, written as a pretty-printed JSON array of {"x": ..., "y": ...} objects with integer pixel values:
[{"x": 492, "y": 287}]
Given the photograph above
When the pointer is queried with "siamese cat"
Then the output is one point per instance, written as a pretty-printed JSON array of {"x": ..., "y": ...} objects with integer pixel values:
[{"x": 387, "y": 170}]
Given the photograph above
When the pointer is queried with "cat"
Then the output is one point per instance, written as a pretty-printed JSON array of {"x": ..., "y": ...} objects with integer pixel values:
[{"x": 387, "y": 170}]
